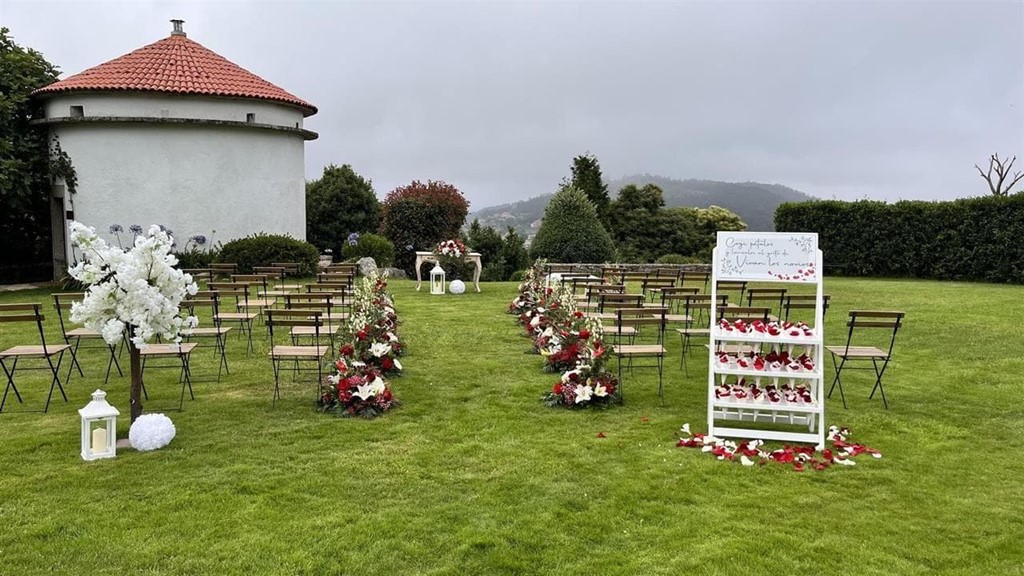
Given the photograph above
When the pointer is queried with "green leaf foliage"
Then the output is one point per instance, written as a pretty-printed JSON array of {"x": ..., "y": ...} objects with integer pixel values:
[
  {"x": 571, "y": 231},
  {"x": 339, "y": 203},
  {"x": 967, "y": 239},
  {"x": 265, "y": 249},
  {"x": 370, "y": 245},
  {"x": 24, "y": 165},
  {"x": 418, "y": 216}
]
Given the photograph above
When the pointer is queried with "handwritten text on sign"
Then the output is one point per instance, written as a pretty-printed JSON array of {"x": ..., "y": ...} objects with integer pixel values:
[{"x": 767, "y": 256}]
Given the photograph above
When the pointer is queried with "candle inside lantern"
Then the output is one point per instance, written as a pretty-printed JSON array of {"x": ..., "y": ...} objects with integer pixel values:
[{"x": 99, "y": 440}]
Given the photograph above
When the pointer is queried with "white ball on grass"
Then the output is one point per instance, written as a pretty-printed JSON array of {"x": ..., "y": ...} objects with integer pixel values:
[
  {"x": 151, "y": 432},
  {"x": 457, "y": 287}
]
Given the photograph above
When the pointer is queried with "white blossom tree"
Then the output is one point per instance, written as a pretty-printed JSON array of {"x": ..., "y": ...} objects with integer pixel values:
[{"x": 134, "y": 293}]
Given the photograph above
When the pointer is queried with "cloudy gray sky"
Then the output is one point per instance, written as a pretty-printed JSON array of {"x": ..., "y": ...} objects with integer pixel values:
[{"x": 883, "y": 100}]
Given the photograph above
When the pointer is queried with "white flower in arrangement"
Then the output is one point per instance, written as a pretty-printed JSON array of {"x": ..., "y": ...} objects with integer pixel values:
[
  {"x": 139, "y": 288},
  {"x": 334, "y": 379},
  {"x": 377, "y": 386},
  {"x": 392, "y": 337},
  {"x": 398, "y": 364},
  {"x": 364, "y": 391},
  {"x": 567, "y": 377},
  {"x": 380, "y": 349},
  {"x": 358, "y": 364},
  {"x": 583, "y": 393},
  {"x": 600, "y": 391}
]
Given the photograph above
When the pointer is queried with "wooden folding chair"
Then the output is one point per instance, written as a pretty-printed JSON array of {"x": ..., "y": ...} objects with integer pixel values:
[
  {"x": 652, "y": 286},
  {"x": 289, "y": 353},
  {"x": 217, "y": 332},
  {"x": 805, "y": 302},
  {"x": 768, "y": 297},
  {"x": 637, "y": 318},
  {"x": 291, "y": 269},
  {"x": 200, "y": 275},
  {"x": 182, "y": 353},
  {"x": 331, "y": 316},
  {"x": 239, "y": 291},
  {"x": 62, "y": 303},
  {"x": 674, "y": 300},
  {"x": 865, "y": 319},
  {"x": 261, "y": 282},
  {"x": 10, "y": 313}
]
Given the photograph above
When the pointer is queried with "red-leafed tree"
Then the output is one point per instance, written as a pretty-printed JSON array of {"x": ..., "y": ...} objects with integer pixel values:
[{"x": 417, "y": 216}]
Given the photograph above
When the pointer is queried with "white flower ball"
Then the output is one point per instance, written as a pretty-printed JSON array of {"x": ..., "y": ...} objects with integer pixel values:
[
  {"x": 151, "y": 432},
  {"x": 457, "y": 287}
]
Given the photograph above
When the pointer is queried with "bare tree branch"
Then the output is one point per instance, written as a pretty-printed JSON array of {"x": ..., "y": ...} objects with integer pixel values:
[{"x": 998, "y": 185}]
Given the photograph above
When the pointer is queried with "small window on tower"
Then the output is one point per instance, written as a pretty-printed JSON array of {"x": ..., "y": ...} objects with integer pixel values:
[
  {"x": 250, "y": 117},
  {"x": 77, "y": 112}
]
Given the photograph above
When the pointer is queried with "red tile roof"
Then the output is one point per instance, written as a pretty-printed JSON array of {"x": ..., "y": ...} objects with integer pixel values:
[{"x": 176, "y": 65}]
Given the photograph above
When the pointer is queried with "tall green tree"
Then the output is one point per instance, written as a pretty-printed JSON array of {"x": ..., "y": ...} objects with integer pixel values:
[
  {"x": 24, "y": 164},
  {"x": 587, "y": 178},
  {"x": 339, "y": 203},
  {"x": 638, "y": 223},
  {"x": 571, "y": 231}
]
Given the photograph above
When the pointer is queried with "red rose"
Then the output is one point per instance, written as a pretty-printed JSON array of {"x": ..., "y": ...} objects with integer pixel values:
[
  {"x": 340, "y": 365},
  {"x": 557, "y": 389},
  {"x": 361, "y": 335},
  {"x": 578, "y": 314},
  {"x": 584, "y": 334},
  {"x": 347, "y": 350},
  {"x": 387, "y": 395},
  {"x": 386, "y": 363}
]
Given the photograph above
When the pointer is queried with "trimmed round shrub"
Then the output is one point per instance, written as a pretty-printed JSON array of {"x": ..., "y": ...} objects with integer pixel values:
[
  {"x": 418, "y": 216},
  {"x": 339, "y": 203},
  {"x": 265, "y": 249},
  {"x": 370, "y": 245},
  {"x": 571, "y": 231},
  {"x": 671, "y": 259}
]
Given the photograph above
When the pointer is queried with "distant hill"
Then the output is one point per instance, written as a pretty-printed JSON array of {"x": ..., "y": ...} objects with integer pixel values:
[{"x": 753, "y": 201}]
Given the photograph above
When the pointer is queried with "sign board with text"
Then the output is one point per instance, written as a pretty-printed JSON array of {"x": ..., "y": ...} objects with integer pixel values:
[{"x": 772, "y": 256}]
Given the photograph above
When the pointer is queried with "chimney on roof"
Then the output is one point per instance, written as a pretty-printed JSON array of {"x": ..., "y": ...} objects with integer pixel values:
[{"x": 178, "y": 30}]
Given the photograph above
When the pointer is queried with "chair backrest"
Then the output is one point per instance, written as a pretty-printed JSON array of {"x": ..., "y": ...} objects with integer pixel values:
[
  {"x": 582, "y": 282},
  {"x": 678, "y": 294},
  {"x": 62, "y": 301},
  {"x": 770, "y": 296},
  {"x": 701, "y": 279},
  {"x": 613, "y": 274},
  {"x": 745, "y": 313},
  {"x": 312, "y": 301},
  {"x": 290, "y": 268},
  {"x": 615, "y": 300},
  {"x": 290, "y": 318},
  {"x": 639, "y": 317},
  {"x": 32, "y": 312},
  {"x": 668, "y": 272},
  {"x": 200, "y": 274},
  {"x": 732, "y": 286},
  {"x": 223, "y": 269},
  {"x": 658, "y": 282},
  {"x": 557, "y": 268},
  {"x": 347, "y": 277},
  {"x": 205, "y": 299},
  {"x": 884, "y": 319},
  {"x": 342, "y": 268},
  {"x": 806, "y": 302},
  {"x": 594, "y": 291},
  {"x": 700, "y": 303},
  {"x": 260, "y": 281},
  {"x": 239, "y": 290},
  {"x": 274, "y": 274}
]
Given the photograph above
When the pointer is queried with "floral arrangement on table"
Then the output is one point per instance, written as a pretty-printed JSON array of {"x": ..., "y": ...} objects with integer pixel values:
[
  {"x": 450, "y": 256},
  {"x": 135, "y": 291},
  {"x": 453, "y": 248},
  {"x": 571, "y": 343},
  {"x": 750, "y": 452},
  {"x": 371, "y": 351}
]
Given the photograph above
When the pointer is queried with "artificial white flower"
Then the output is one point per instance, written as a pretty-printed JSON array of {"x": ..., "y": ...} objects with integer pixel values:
[
  {"x": 377, "y": 386},
  {"x": 364, "y": 391},
  {"x": 398, "y": 365},
  {"x": 583, "y": 393},
  {"x": 600, "y": 391},
  {"x": 380, "y": 349}
]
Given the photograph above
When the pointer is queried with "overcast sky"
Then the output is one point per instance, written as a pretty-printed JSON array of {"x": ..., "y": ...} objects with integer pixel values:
[{"x": 883, "y": 100}]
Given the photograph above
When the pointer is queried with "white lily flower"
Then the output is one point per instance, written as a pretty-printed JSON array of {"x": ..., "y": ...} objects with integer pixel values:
[
  {"x": 398, "y": 365},
  {"x": 583, "y": 393},
  {"x": 686, "y": 429},
  {"x": 380, "y": 349},
  {"x": 600, "y": 391},
  {"x": 364, "y": 391}
]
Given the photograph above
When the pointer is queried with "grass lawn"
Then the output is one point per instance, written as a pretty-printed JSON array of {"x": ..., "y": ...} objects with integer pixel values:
[{"x": 474, "y": 475}]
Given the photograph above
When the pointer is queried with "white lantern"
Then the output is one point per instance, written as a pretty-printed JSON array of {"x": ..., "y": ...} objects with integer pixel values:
[
  {"x": 99, "y": 428},
  {"x": 437, "y": 279}
]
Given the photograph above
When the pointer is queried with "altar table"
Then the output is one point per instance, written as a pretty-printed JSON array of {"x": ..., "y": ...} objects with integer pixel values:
[{"x": 473, "y": 257}]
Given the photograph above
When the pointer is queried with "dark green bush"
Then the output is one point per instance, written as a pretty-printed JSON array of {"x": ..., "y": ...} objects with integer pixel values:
[
  {"x": 265, "y": 249},
  {"x": 967, "y": 239},
  {"x": 571, "y": 231},
  {"x": 197, "y": 258},
  {"x": 339, "y": 203},
  {"x": 373, "y": 245},
  {"x": 671, "y": 259}
]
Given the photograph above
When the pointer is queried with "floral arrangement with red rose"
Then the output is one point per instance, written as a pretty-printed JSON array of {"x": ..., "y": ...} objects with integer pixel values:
[
  {"x": 370, "y": 352},
  {"x": 453, "y": 248},
  {"x": 571, "y": 343}
]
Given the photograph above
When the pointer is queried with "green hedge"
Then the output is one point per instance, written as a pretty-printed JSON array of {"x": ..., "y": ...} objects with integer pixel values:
[
  {"x": 265, "y": 249},
  {"x": 370, "y": 245},
  {"x": 968, "y": 239}
]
